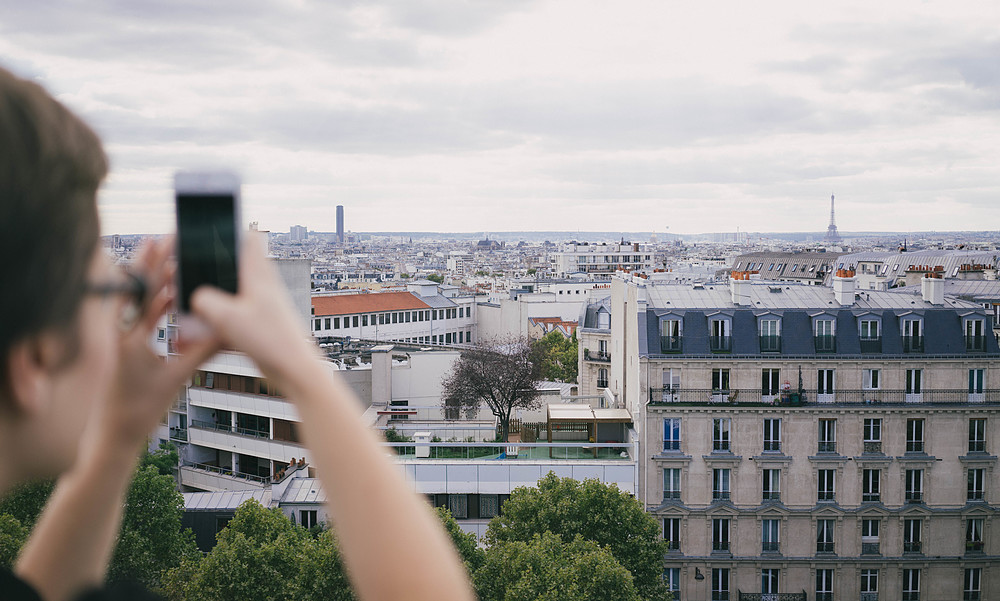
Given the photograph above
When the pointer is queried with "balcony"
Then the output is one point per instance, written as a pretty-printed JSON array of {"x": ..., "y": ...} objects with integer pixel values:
[
  {"x": 755, "y": 397},
  {"x": 180, "y": 434},
  {"x": 770, "y": 344},
  {"x": 514, "y": 451},
  {"x": 674, "y": 546},
  {"x": 671, "y": 495},
  {"x": 671, "y": 344},
  {"x": 827, "y": 446},
  {"x": 770, "y": 496},
  {"x": 826, "y": 496},
  {"x": 871, "y": 345},
  {"x": 772, "y": 446},
  {"x": 720, "y": 546},
  {"x": 602, "y": 382},
  {"x": 228, "y": 428},
  {"x": 598, "y": 356},
  {"x": 741, "y": 596},
  {"x": 870, "y": 549},
  {"x": 977, "y": 446},
  {"x": 975, "y": 344},
  {"x": 911, "y": 547},
  {"x": 215, "y": 478},
  {"x": 913, "y": 344},
  {"x": 869, "y": 596},
  {"x": 824, "y": 547},
  {"x": 720, "y": 344},
  {"x": 973, "y": 546},
  {"x": 872, "y": 447},
  {"x": 914, "y": 496},
  {"x": 825, "y": 343},
  {"x": 720, "y": 495},
  {"x": 770, "y": 547},
  {"x": 870, "y": 497}
]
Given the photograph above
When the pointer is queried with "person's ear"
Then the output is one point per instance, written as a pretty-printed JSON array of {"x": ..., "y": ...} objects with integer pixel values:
[{"x": 31, "y": 364}]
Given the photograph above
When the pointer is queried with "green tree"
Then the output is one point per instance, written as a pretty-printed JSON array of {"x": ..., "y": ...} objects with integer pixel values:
[
  {"x": 532, "y": 271},
  {"x": 151, "y": 539},
  {"x": 12, "y": 538},
  {"x": 26, "y": 501},
  {"x": 434, "y": 277},
  {"x": 165, "y": 459},
  {"x": 598, "y": 512},
  {"x": 556, "y": 357},
  {"x": 465, "y": 542},
  {"x": 545, "y": 568}
]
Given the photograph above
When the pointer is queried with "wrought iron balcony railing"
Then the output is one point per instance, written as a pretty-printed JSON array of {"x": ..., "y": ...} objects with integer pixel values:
[
  {"x": 870, "y": 549},
  {"x": 911, "y": 546},
  {"x": 871, "y": 345},
  {"x": 671, "y": 344},
  {"x": 720, "y": 344},
  {"x": 827, "y": 446},
  {"x": 771, "y": 495},
  {"x": 872, "y": 447},
  {"x": 825, "y": 343},
  {"x": 770, "y": 344},
  {"x": 720, "y": 546},
  {"x": 601, "y": 356},
  {"x": 770, "y": 547},
  {"x": 975, "y": 343},
  {"x": 913, "y": 344},
  {"x": 824, "y": 547},
  {"x": 812, "y": 396}
]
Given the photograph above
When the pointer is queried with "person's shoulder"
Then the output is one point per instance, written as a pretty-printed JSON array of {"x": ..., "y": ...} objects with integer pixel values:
[{"x": 13, "y": 588}]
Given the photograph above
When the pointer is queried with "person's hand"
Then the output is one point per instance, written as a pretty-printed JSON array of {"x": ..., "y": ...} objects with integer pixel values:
[
  {"x": 146, "y": 384},
  {"x": 260, "y": 319}
]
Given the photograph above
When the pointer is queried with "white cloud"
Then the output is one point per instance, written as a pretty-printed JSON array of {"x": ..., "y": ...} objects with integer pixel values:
[{"x": 560, "y": 114}]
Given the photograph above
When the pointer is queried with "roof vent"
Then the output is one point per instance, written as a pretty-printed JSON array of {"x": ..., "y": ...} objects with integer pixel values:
[
  {"x": 774, "y": 288},
  {"x": 697, "y": 286}
]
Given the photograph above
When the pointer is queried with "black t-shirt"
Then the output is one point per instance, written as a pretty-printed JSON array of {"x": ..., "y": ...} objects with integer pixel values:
[{"x": 13, "y": 588}]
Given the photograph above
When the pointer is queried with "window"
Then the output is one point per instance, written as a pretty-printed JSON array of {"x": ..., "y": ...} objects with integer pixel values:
[
  {"x": 720, "y": 484},
  {"x": 354, "y": 321},
  {"x": 824, "y": 536},
  {"x": 720, "y": 379},
  {"x": 395, "y": 318},
  {"x": 720, "y": 535},
  {"x": 489, "y": 506},
  {"x": 720, "y": 434},
  {"x": 672, "y": 533},
  {"x": 381, "y": 318},
  {"x": 602, "y": 378},
  {"x": 869, "y": 537},
  {"x": 364, "y": 320},
  {"x": 770, "y": 336},
  {"x": 971, "y": 590},
  {"x": 827, "y": 485},
  {"x": 870, "y": 485},
  {"x": 771, "y": 485},
  {"x": 974, "y": 535},
  {"x": 672, "y": 434},
  {"x": 976, "y": 377},
  {"x": 911, "y": 585},
  {"x": 670, "y": 336},
  {"x": 326, "y": 323},
  {"x": 769, "y": 382},
  {"x": 671, "y": 483},
  {"x": 827, "y": 436},
  {"x": 720, "y": 339},
  {"x": 459, "y": 506},
  {"x": 873, "y": 435},
  {"x": 769, "y": 542},
  {"x": 911, "y": 536},
  {"x": 914, "y": 436},
  {"x": 772, "y": 435},
  {"x": 336, "y": 323},
  {"x": 824, "y": 585},
  {"x": 977, "y": 478},
  {"x": 769, "y": 581},
  {"x": 720, "y": 584},
  {"x": 913, "y": 340},
  {"x": 974, "y": 338},
  {"x": 869, "y": 585},
  {"x": 824, "y": 333},
  {"x": 672, "y": 578},
  {"x": 868, "y": 329},
  {"x": 824, "y": 385},
  {"x": 914, "y": 486},
  {"x": 316, "y": 324},
  {"x": 161, "y": 333},
  {"x": 913, "y": 384},
  {"x": 871, "y": 379},
  {"x": 307, "y": 518},
  {"x": 977, "y": 435}
]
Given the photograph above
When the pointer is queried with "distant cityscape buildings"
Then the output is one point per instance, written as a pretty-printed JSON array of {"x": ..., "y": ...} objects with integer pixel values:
[{"x": 298, "y": 233}]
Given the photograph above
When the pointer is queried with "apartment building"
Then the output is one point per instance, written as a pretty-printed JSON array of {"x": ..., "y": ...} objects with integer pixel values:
[
  {"x": 812, "y": 442},
  {"x": 601, "y": 260},
  {"x": 425, "y": 314},
  {"x": 798, "y": 267}
]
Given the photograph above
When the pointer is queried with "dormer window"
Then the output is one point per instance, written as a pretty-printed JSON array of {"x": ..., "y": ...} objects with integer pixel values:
[
  {"x": 870, "y": 333},
  {"x": 974, "y": 335},
  {"x": 670, "y": 336},
  {"x": 823, "y": 334},
  {"x": 913, "y": 335},
  {"x": 770, "y": 335}
]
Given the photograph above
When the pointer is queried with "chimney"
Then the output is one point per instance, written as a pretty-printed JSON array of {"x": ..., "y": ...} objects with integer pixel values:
[
  {"x": 843, "y": 287},
  {"x": 932, "y": 288},
  {"x": 739, "y": 286},
  {"x": 382, "y": 374}
]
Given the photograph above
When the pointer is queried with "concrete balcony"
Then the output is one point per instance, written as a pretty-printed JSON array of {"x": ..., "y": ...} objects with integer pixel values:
[
  {"x": 235, "y": 442},
  {"x": 213, "y": 479},
  {"x": 239, "y": 402}
]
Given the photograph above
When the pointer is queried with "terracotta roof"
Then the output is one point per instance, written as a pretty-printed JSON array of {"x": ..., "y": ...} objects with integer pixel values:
[{"x": 350, "y": 304}]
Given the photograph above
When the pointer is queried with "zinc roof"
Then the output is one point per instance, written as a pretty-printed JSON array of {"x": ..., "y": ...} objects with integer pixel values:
[
  {"x": 224, "y": 500},
  {"x": 304, "y": 490}
]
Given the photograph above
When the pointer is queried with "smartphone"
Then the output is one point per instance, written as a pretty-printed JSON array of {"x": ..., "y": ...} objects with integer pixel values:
[{"x": 208, "y": 235}]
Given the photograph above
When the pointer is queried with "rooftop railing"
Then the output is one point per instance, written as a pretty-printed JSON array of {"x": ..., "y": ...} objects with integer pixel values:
[
  {"x": 754, "y": 396},
  {"x": 203, "y": 425},
  {"x": 542, "y": 451},
  {"x": 224, "y": 471}
]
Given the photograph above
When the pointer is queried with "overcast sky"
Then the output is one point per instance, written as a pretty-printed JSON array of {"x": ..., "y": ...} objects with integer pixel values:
[{"x": 452, "y": 115}]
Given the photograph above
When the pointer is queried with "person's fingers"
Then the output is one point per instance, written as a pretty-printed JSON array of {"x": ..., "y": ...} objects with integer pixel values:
[
  {"x": 213, "y": 306},
  {"x": 193, "y": 355},
  {"x": 155, "y": 309},
  {"x": 253, "y": 260}
]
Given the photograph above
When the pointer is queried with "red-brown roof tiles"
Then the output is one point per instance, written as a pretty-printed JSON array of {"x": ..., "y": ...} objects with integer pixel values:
[{"x": 350, "y": 304}]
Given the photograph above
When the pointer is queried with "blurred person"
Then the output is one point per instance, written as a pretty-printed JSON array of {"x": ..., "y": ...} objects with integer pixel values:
[{"x": 81, "y": 390}]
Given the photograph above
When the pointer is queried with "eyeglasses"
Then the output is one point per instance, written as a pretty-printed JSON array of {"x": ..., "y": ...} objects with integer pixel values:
[{"x": 133, "y": 289}]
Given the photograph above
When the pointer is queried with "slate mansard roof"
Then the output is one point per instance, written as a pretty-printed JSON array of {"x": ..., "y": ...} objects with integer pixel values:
[{"x": 796, "y": 306}]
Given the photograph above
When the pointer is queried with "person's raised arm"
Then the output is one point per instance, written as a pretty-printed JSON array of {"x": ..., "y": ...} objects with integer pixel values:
[
  {"x": 393, "y": 545},
  {"x": 71, "y": 545}
]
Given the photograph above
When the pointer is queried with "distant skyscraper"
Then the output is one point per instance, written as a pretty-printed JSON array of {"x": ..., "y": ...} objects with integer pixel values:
[
  {"x": 340, "y": 224},
  {"x": 298, "y": 233},
  {"x": 832, "y": 237}
]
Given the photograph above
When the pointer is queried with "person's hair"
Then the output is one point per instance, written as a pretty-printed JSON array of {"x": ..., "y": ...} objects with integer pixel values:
[{"x": 51, "y": 165}]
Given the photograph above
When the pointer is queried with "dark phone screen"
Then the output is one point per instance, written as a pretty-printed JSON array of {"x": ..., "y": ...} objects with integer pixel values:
[{"x": 206, "y": 233}]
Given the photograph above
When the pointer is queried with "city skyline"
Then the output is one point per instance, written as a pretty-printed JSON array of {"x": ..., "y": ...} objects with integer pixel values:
[{"x": 546, "y": 115}]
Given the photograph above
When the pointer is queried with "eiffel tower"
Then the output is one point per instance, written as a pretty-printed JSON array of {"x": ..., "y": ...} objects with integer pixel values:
[{"x": 832, "y": 237}]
